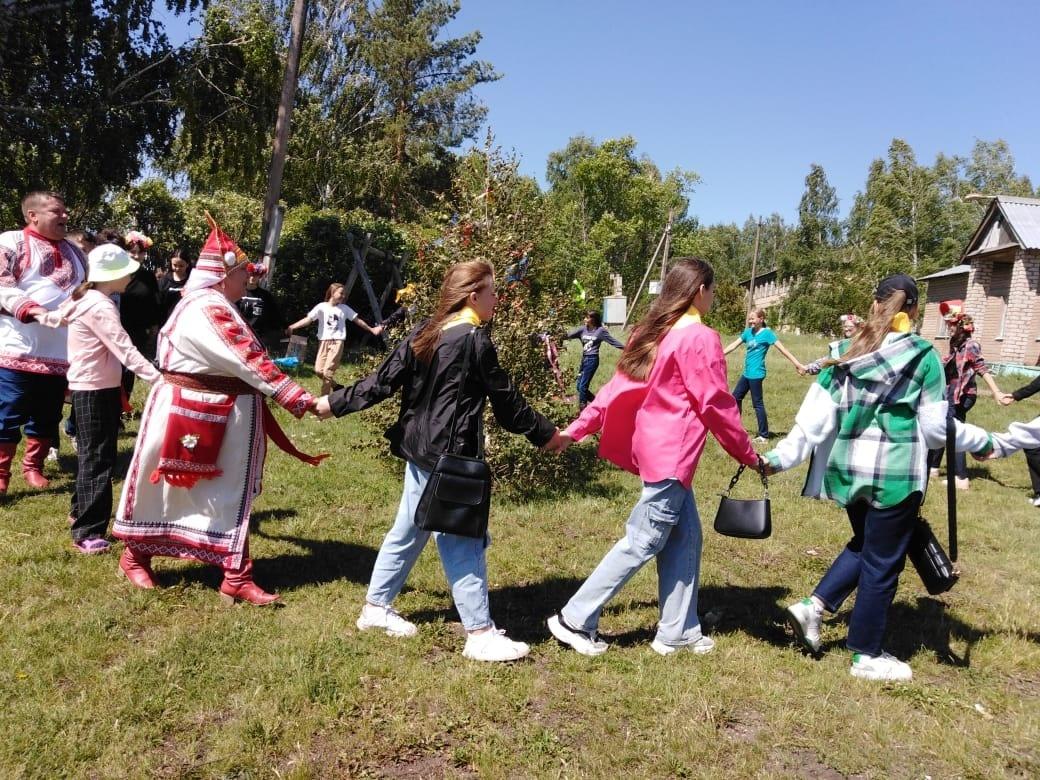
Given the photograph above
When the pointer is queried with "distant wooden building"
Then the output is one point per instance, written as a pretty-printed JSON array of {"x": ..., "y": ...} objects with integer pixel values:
[
  {"x": 999, "y": 282},
  {"x": 770, "y": 290}
]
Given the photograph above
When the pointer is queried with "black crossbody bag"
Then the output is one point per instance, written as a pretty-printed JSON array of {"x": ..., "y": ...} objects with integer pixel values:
[
  {"x": 745, "y": 518},
  {"x": 457, "y": 497},
  {"x": 933, "y": 565}
]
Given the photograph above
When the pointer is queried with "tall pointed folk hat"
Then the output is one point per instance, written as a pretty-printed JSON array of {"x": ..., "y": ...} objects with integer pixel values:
[{"x": 219, "y": 256}]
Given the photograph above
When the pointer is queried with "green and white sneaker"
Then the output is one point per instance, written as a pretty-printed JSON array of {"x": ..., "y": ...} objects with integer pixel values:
[
  {"x": 805, "y": 618},
  {"x": 880, "y": 667}
]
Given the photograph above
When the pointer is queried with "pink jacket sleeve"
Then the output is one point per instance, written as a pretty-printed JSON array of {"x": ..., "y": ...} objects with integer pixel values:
[
  {"x": 104, "y": 322},
  {"x": 703, "y": 371}
]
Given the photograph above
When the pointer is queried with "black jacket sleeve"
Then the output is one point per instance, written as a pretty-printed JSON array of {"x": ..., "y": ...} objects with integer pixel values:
[
  {"x": 377, "y": 386},
  {"x": 1024, "y": 392},
  {"x": 511, "y": 410}
]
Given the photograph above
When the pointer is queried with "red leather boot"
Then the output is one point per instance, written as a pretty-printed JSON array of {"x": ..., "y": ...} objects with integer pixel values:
[
  {"x": 137, "y": 567},
  {"x": 6, "y": 457},
  {"x": 32, "y": 462},
  {"x": 239, "y": 586}
]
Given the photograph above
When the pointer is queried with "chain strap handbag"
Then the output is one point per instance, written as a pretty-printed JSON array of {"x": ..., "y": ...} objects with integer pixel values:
[
  {"x": 742, "y": 517},
  {"x": 457, "y": 496},
  {"x": 933, "y": 565}
]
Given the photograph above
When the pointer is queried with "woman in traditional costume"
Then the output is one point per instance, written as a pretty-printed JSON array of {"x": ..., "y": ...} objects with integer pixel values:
[{"x": 199, "y": 458}]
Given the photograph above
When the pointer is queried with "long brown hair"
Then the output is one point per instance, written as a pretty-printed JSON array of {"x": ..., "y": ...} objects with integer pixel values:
[
  {"x": 869, "y": 337},
  {"x": 461, "y": 280},
  {"x": 331, "y": 291},
  {"x": 682, "y": 283}
]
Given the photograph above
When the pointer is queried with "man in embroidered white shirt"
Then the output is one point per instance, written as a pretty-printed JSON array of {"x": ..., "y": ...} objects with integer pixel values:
[{"x": 39, "y": 269}]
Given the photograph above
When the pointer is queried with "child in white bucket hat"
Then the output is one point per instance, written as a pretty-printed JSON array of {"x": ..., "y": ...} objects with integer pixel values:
[{"x": 98, "y": 349}]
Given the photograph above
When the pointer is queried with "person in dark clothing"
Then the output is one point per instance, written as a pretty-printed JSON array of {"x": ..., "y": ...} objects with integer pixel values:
[
  {"x": 139, "y": 304},
  {"x": 592, "y": 334},
  {"x": 172, "y": 283},
  {"x": 260, "y": 309},
  {"x": 1032, "y": 453},
  {"x": 427, "y": 367}
]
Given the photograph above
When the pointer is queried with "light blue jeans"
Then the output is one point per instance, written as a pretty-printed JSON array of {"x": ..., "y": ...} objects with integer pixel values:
[
  {"x": 663, "y": 524},
  {"x": 463, "y": 559}
]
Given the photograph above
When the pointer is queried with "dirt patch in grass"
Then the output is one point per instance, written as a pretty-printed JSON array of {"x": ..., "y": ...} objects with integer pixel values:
[
  {"x": 804, "y": 763},
  {"x": 742, "y": 726}
]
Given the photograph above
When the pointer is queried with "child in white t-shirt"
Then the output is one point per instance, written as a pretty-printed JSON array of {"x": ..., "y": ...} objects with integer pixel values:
[{"x": 332, "y": 316}]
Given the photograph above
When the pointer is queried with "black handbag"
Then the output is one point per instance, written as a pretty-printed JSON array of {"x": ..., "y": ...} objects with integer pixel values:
[
  {"x": 930, "y": 559},
  {"x": 933, "y": 565},
  {"x": 457, "y": 496},
  {"x": 745, "y": 518}
]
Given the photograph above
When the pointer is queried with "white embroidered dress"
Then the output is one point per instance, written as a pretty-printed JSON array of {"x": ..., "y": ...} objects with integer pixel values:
[{"x": 210, "y": 521}]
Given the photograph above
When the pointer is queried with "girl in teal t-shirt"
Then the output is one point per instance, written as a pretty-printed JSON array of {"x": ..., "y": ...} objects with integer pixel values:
[{"x": 758, "y": 339}]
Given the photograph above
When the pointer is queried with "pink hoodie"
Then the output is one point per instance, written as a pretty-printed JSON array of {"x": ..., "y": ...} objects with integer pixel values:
[
  {"x": 657, "y": 428},
  {"x": 98, "y": 345}
]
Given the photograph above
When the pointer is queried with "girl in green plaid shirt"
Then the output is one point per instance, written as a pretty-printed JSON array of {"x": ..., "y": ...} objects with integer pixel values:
[{"x": 867, "y": 423}]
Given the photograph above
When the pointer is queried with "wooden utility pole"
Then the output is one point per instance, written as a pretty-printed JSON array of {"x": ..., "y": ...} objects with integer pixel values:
[
  {"x": 282, "y": 124},
  {"x": 667, "y": 244},
  {"x": 754, "y": 270}
]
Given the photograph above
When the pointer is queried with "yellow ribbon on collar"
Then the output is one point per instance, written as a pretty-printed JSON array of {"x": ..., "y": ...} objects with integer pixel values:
[
  {"x": 465, "y": 316},
  {"x": 901, "y": 323},
  {"x": 691, "y": 316}
]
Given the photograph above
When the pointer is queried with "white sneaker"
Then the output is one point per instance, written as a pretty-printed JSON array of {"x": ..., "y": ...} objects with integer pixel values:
[
  {"x": 1035, "y": 501},
  {"x": 961, "y": 483},
  {"x": 700, "y": 647},
  {"x": 933, "y": 473},
  {"x": 385, "y": 618},
  {"x": 879, "y": 667},
  {"x": 585, "y": 642},
  {"x": 494, "y": 645},
  {"x": 805, "y": 617},
  {"x": 52, "y": 454},
  {"x": 760, "y": 439}
]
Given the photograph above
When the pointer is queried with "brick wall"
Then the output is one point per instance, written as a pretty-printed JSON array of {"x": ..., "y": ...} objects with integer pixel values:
[
  {"x": 1021, "y": 329},
  {"x": 978, "y": 284}
]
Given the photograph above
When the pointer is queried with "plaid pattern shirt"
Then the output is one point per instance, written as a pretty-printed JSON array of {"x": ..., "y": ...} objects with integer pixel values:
[
  {"x": 869, "y": 424},
  {"x": 967, "y": 364}
]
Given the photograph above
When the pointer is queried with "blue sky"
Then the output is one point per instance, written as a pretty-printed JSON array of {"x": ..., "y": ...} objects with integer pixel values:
[{"x": 749, "y": 93}]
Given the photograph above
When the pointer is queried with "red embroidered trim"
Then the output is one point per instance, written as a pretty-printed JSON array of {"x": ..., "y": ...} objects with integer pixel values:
[
  {"x": 21, "y": 311},
  {"x": 35, "y": 365}
]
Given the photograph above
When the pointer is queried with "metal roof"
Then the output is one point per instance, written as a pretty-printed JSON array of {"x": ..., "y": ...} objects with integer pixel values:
[
  {"x": 1019, "y": 218},
  {"x": 1023, "y": 215},
  {"x": 957, "y": 270}
]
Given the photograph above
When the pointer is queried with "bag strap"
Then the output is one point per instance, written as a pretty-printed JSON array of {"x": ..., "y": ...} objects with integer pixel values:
[
  {"x": 951, "y": 488},
  {"x": 761, "y": 473},
  {"x": 466, "y": 358}
]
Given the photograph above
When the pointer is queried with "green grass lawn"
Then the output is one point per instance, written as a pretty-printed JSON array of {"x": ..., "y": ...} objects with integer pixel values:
[{"x": 98, "y": 679}]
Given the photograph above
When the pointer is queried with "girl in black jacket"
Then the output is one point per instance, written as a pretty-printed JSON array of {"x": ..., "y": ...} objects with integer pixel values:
[{"x": 427, "y": 368}]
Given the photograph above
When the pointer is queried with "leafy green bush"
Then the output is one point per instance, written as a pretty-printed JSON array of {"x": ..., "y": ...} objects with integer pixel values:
[{"x": 496, "y": 215}]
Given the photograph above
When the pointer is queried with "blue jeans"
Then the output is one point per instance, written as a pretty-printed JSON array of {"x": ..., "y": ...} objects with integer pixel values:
[
  {"x": 755, "y": 386},
  {"x": 870, "y": 564},
  {"x": 663, "y": 524},
  {"x": 463, "y": 559},
  {"x": 587, "y": 370},
  {"x": 32, "y": 401}
]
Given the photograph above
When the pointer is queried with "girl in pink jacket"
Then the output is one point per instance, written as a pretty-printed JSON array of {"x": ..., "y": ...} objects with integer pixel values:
[
  {"x": 669, "y": 392},
  {"x": 98, "y": 349}
]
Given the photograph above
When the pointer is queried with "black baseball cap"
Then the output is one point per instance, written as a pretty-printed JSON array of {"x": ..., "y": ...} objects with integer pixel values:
[{"x": 896, "y": 282}]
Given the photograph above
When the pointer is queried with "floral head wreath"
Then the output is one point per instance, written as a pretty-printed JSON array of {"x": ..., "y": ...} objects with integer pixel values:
[
  {"x": 850, "y": 317},
  {"x": 963, "y": 321},
  {"x": 137, "y": 237}
]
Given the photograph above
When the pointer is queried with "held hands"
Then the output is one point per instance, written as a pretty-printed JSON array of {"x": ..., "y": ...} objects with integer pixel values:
[
  {"x": 765, "y": 467},
  {"x": 320, "y": 408},
  {"x": 1005, "y": 399},
  {"x": 377, "y": 330},
  {"x": 558, "y": 443}
]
